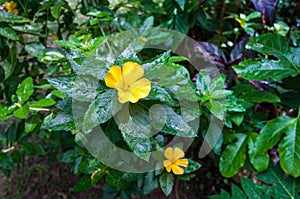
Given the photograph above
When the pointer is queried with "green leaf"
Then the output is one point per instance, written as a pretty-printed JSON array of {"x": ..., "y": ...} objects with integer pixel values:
[
  {"x": 289, "y": 149},
  {"x": 22, "y": 112},
  {"x": 42, "y": 103},
  {"x": 56, "y": 9},
  {"x": 289, "y": 146},
  {"x": 192, "y": 166},
  {"x": 275, "y": 45},
  {"x": 161, "y": 94},
  {"x": 5, "y": 112},
  {"x": 101, "y": 109},
  {"x": 32, "y": 123},
  {"x": 12, "y": 18},
  {"x": 172, "y": 76},
  {"x": 234, "y": 155},
  {"x": 36, "y": 49},
  {"x": 134, "y": 124},
  {"x": 82, "y": 88},
  {"x": 166, "y": 181},
  {"x": 252, "y": 190},
  {"x": 174, "y": 123},
  {"x": 252, "y": 94},
  {"x": 62, "y": 122},
  {"x": 283, "y": 187},
  {"x": 6, "y": 162},
  {"x": 68, "y": 156},
  {"x": 33, "y": 148},
  {"x": 150, "y": 183},
  {"x": 10, "y": 62},
  {"x": 25, "y": 90},
  {"x": 237, "y": 118},
  {"x": 181, "y": 3},
  {"x": 86, "y": 183},
  {"x": 9, "y": 33},
  {"x": 260, "y": 162}
]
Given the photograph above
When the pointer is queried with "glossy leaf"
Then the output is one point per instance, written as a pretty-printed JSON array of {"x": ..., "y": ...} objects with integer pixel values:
[
  {"x": 254, "y": 95},
  {"x": 100, "y": 110},
  {"x": 82, "y": 88},
  {"x": 289, "y": 146},
  {"x": 166, "y": 181},
  {"x": 275, "y": 45},
  {"x": 267, "y": 9},
  {"x": 285, "y": 187},
  {"x": 234, "y": 155},
  {"x": 62, "y": 122},
  {"x": 12, "y": 18},
  {"x": 42, "y": 103},
  {"x": 25, "y": 90},
  {"x": 36, "y": 49},
  {"x": 192, "y": 166},
  {"x": 22, "y": 112},
  {"x": 9, "y": 33},
  {"x": 211, "y": 53}
]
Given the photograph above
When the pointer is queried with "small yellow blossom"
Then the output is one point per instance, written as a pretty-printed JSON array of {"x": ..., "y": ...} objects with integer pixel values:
[
  {"x": 10, "y": 7},
  {"x": 128, "y": 81},
  {"x": 174, "y": 160}
]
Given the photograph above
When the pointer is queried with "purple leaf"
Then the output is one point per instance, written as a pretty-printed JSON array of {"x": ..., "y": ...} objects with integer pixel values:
[
  {"x": 237, "y": 52},
  {"x": 267, "y": 9},
  {"x": 211, "y": 53}
]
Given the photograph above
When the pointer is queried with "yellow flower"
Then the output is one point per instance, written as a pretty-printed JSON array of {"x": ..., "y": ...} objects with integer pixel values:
[
  {"x": 10, "y": 7},
  {"x": 174, "y": 160},
  {"x": 128, "y": 81}
]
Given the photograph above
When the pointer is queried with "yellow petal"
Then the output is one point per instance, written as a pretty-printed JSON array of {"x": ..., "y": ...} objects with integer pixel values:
[
  {"x": 140, "y": 89},
  {"x": 167, "y": 163},
  {"x": 10, "y": 5},
  {"x": 169, "y": 168},
  {"x": 132, "y": 71},
  {"x": 169, "y": 153},
  {"x": 113, "y": 76},
  {"x": 182, "y": 162},
  {"x": 177, "y": 170},
  {"x": 178, "y": 153},
  {"x": 124, "y": 96}
]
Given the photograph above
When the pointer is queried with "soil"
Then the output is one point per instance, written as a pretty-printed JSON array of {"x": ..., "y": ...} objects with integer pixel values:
[{"x": 36, "y": 179}]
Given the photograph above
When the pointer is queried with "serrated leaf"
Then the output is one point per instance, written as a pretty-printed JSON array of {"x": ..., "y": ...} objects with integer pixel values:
[
  {"x": 134, "y": 124},
  {"x": 62, "y": 122},
  {"x": 275, "y": 45},
  {"x": 82, "y": 88},
  {"x": 192, "y": 166},
  {"x": 161, "y": 94},
  {"x": 174, "y": 123},
  {"x": 100, "y": 110},
  {"x": 12, "y": 18},
  {"x": 9, "y": 33},
  {"x": 234, "y": 155},
  {"x": 166, "y": 181},
  {"x": 25, "y": 90}
]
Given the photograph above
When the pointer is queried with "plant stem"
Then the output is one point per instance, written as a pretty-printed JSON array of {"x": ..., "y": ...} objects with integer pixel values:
[{"x": 39, "y": 109}]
